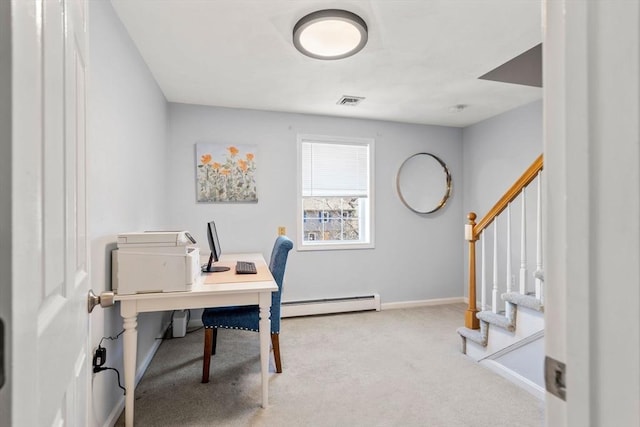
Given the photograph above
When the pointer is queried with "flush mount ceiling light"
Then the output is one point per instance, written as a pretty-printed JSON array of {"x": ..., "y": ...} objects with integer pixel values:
[{"x": 330, "y": 34}]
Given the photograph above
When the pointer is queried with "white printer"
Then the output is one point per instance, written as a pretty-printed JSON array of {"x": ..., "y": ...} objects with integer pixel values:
[{"x": 154, "y": 261}]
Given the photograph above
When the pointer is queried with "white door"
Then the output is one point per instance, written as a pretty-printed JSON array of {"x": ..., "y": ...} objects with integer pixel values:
[
  {"x": 50, "y": 371},
  {"x": 592, "y": 237}
]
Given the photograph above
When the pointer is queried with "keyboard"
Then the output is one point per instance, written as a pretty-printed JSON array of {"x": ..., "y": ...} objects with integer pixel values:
[{"x": 245, "y": 267}]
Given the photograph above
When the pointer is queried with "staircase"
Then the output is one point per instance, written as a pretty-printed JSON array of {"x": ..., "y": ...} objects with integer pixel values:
[{"x": 507, "y": 333}]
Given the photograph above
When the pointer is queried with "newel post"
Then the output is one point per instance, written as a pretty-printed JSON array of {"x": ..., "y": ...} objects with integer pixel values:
[{"x": 470, "y": 319}]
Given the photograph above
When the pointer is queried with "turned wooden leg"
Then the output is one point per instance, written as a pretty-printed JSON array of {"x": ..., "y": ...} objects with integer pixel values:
[
  {"x": 275, "y": 343},
  {"x": 206, "y": 358}
]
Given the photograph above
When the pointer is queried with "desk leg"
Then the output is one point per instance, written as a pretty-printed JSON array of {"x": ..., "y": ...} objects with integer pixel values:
[
  {"x": 265, "y": 340},
  {"x": 130, "y": 343}
]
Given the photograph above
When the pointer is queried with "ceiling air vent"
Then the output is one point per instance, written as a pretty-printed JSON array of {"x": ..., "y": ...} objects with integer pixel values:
[{"x": 351, "y": 101}]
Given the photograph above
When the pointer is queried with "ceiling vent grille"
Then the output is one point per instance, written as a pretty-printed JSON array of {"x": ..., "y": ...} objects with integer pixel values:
[{"x": 350, "y": 101}]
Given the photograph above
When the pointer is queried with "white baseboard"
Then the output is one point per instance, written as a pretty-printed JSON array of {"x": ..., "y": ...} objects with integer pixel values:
[
  {"x": 515, "y": 378},
  {"x": 115, "y": 413},
  {"x": 338, "y": 305},
  {"x": 508, "y": 349},
  {"x": 420, "y": 303},
  {"x": 330, "y": 305}
]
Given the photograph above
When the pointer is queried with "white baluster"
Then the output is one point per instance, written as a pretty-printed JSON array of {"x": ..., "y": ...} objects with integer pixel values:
[
  {"x": 483, "y": 281},
  {"x": 494, "y": 293},
  {"x": 509, "y": 278},
  {"x": 539, "y": 267},
  {"x": 523, "y": 244}
]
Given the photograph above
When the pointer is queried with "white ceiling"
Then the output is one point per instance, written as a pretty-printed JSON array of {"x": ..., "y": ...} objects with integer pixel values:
[{"x": 423, "y": 56}]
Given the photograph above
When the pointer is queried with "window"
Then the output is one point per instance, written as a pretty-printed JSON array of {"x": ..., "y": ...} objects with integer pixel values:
[{"x": 335, "y": 202}]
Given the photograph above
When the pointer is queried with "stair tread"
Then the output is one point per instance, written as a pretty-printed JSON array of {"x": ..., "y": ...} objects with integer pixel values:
[
  {"x": 497, "y": 319},
  {"x": 519, "y": 299},
  {"x": 472, "y": 334},
  {"x": 488, "y": 317}
]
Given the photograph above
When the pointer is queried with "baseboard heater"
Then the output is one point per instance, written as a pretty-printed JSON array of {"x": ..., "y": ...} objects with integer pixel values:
[{"x": 330, "y": 305}]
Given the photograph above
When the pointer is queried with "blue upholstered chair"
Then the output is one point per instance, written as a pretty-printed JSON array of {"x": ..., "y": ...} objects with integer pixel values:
[{"x": 247, "y": 317}]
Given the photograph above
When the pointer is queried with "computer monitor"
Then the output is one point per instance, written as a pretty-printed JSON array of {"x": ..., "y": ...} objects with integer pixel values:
[{"x": 216, "y": 251}]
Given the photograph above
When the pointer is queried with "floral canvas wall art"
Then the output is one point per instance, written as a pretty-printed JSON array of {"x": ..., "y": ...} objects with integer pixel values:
[{"x": 225, "y": 173}]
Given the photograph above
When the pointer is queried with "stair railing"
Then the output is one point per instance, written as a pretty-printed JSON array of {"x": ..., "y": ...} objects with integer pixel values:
[{"x": 476, "y": 231}]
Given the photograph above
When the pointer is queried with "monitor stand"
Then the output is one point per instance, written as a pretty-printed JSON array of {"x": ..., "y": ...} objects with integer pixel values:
[{"x": 215, "y": 269}]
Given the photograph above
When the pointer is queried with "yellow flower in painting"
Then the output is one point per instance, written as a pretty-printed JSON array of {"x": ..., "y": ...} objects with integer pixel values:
[
  {"x": 250, "y": 156},
  {"x": 205, "y": 159},
  {"x": 243, "y": 165},
  {"x": 233, "y": 151},
  {"x": 215, "y": 165},
  {"x": 225, "y": 172}
]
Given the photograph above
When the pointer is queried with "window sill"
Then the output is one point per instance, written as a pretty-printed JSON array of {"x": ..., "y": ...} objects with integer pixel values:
[{"x": 303, "y": 247}]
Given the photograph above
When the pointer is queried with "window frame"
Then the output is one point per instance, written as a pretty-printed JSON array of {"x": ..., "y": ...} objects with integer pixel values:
[{"x": 323, "y": 245}]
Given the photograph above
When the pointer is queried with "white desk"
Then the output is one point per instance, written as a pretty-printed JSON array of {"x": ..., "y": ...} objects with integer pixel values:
[{"x": 220, "y": 294}]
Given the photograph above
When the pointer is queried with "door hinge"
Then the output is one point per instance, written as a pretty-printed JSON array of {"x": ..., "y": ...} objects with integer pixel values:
[
  {"x": 555, "y": 377},
  {"x": 2, "y": 346}
]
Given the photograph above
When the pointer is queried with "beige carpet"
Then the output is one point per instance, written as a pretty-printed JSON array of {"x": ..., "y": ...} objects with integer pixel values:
[{"x": 389, "y": 368}]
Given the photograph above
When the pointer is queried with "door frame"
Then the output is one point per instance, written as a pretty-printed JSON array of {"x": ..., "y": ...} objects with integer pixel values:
[
  {"x": 5, "y": 211},
  {"x": 592, "y": 236}
]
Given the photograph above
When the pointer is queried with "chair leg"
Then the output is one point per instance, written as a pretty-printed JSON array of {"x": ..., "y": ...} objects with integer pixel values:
[
  {"x": 275, "y": 343},
  {"x": 206, "y": 358},
  {"x": 214, "y": 341}
]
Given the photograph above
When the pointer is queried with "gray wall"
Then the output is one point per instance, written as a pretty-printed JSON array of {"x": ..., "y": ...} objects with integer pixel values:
[
  {"x": 415, "y": 258},
  {"x": 496, "y": 153},
  {"x": 126, "y": 179}
]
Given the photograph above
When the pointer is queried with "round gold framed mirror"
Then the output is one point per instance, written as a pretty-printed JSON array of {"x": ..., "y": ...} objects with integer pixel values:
[{"x": 423, "y": 183}]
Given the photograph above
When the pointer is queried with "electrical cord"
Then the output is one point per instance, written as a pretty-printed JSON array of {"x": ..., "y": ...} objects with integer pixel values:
[
  {"x": 111, "y": 338},
  {"x": 100, "y": 368},
  {"x": 100, "y": 357},
  {"x": 188, "y": 320},
  {"x": 169, "y": 328}
]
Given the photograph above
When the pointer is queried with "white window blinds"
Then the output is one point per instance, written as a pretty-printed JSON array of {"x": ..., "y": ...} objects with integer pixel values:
[{"x": 335, "y": 169}]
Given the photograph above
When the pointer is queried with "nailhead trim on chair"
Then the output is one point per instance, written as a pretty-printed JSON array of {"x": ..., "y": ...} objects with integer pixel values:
[{"x": 235, "y": 327}]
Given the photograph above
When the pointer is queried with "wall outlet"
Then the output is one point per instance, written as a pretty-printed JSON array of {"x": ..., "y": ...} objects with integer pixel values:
[{"x": 282, "y": 231}]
